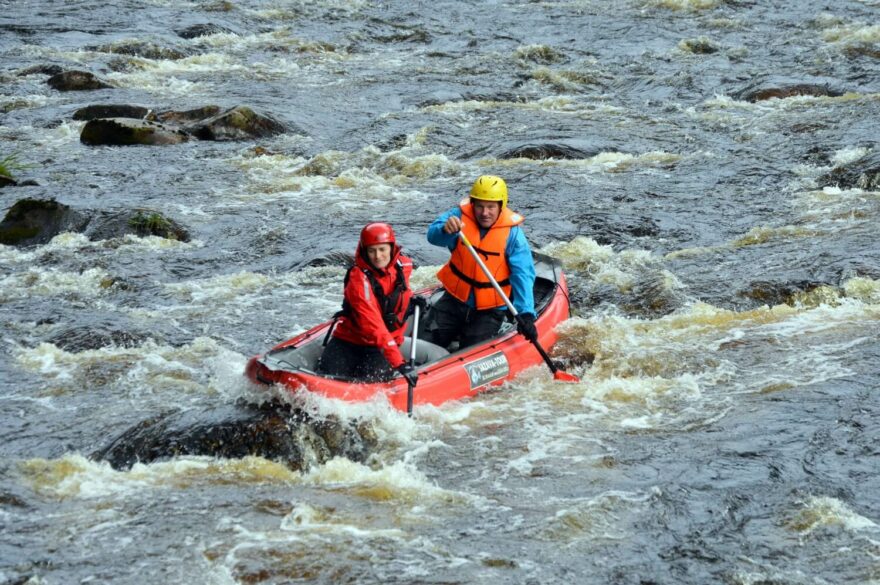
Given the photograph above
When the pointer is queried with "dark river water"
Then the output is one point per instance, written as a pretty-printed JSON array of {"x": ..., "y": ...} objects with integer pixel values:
[{"x": 725, "y": 305}]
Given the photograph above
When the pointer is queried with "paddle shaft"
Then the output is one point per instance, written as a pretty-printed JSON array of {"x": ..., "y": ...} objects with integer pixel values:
[
  {"x": 504, "y": 297},
  {"x": 412, "y": 360}
]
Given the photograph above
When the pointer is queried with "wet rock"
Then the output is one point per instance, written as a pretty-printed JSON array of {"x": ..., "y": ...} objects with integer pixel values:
[
  {"x": 343, "y": 259},
  {"x": 77, "y": 339},
  {"x": 863, "y": 173},
  {"x": 448, "y": 98},
  {"x": 186, "y": 116},
  {"x": 238, "y": 123},
  {"x": 138, "y": 222},
  {"x": 124, "y": 64},
  {"x": 7, "y": 181},
  {"x": 546, "y": 151},
  {"x": 111, "y": 111},
  {"x": 31, "y": 222},
  {"x": 76, "y": 81},
  {"x": 616, "y": 229},
  {"x": 699, "y": 46},
  {"x": 862, "y": 50},
  {"x": 23, "y": 580},
  {"x": 203, "y": 30},
  {"x": 817, "y": 155},
  {"x": 761, "y": 92},
  {"x": 237, "y": 430},
  {"x": 127, "y": 131},
  {"x": 41, "y": 69},
  {"x": 772, "y": 293},
  {"x": 144, "y": 49},
  {"x": 11, "y": 500}
]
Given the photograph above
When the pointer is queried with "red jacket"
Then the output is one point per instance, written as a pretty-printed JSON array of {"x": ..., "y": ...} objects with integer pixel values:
[{"x": 364, "y": 324}]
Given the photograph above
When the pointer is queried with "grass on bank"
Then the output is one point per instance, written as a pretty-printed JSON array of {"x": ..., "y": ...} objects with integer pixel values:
[{"x": 11, "y": 163}]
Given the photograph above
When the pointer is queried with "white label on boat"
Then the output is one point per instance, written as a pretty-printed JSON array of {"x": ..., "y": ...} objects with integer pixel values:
[{"x": 488, "y": 369}]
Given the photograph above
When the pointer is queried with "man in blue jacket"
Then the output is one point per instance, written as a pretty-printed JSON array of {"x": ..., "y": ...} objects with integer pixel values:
[{"x": 470, "y": 309}]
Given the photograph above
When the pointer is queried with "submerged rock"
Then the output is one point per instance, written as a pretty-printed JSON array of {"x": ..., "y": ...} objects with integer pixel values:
[
  {"x": 76, "y": 81},
  {"x": 772, "y": 293},
  {"x": 238, "y": 123},
  {"x": 203, "y": 30},
  {"x": 761, "y": 92},
  {"x": 548, "y": 150},
  {"x": 127, "y": 131},
  {"x": 863, "y": 173},
  {"x": 78, "y": 339},
  {"x": 343, "y": 259},
  {"x": 41, "y": 69},
  {"x": 144, "y": 49},
  {"x": 31, "y": 222},
  {"x": 271, "y": 431}
]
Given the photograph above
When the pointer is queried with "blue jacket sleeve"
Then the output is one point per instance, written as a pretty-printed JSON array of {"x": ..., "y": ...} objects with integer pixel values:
[
  {"x": 437, "y": 236},
  {"x": 522, "y": 271}
]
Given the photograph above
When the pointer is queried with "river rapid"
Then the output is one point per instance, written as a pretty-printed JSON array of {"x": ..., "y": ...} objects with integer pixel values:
[{"x": 725, "y": 306}]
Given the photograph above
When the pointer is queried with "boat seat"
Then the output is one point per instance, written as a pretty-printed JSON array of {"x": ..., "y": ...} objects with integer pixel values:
[{"x": 425, "y": 351}]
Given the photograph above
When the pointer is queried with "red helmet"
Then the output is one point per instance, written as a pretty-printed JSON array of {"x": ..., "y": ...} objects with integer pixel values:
[{"x": 377, "y": 233}]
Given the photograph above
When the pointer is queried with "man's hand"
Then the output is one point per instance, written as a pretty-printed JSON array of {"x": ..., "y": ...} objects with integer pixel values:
[
  {"x": 452, "y": 225},
  {"x": 420, "y": 302},
  {"x": 525, "y": 324},
  {"x": 408, "y": 372}
]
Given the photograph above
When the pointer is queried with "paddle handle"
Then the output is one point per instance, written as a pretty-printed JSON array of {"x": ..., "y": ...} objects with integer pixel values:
[{"x": 412, "y": 360}]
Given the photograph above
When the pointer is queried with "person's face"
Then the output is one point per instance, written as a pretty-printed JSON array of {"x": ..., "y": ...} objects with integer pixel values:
[
  {"x": 487, "y": 212},
  {"x": 379, "y": 255}
]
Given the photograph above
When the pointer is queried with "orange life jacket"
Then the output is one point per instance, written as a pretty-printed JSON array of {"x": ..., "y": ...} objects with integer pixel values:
[{"x": 462, "y": 274}]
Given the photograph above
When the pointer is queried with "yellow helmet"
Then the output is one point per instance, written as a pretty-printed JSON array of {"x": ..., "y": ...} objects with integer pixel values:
[{"x": 490, "y": 188}]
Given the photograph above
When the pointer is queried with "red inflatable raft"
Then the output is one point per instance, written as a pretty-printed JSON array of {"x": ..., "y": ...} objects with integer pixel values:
[{"x": 443, "y": 376}]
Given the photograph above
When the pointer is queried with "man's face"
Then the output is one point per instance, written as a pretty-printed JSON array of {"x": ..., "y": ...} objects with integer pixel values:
[
  {"x": 379, "y": 255},
  {"x": 487, "y": 212}
]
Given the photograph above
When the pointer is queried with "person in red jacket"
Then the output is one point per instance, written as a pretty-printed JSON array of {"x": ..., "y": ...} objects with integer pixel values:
[{"x": 366, "y": 340}]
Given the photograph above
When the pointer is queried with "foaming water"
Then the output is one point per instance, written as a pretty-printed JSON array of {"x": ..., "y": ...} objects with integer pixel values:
[
  {"x": 726, "y": 304},
  {"x": 74, "y": 476}
]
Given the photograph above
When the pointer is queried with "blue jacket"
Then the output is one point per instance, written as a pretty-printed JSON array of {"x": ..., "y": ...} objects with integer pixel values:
[{"x": 519, "y": 258}]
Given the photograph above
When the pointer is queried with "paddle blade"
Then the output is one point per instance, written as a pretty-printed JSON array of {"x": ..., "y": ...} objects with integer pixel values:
[{"x": 565, "y": 376}]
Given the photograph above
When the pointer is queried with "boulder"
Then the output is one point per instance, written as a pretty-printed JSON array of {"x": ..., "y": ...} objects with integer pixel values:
[
  {"x": 31, "y": 222},
  {"x": 7, "y": 181},
  {"x": 234, "y": 431},
  {"x": 863, "y": 173},
  {"x": 238, "y": 123},
  {"x": 138, "y": 222},
  {"x": 186, "y": 116},
  {"x": 127, "y": 131},
  {"x": 76, "y": 81},
  {"x": 111, "y": 111}
]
